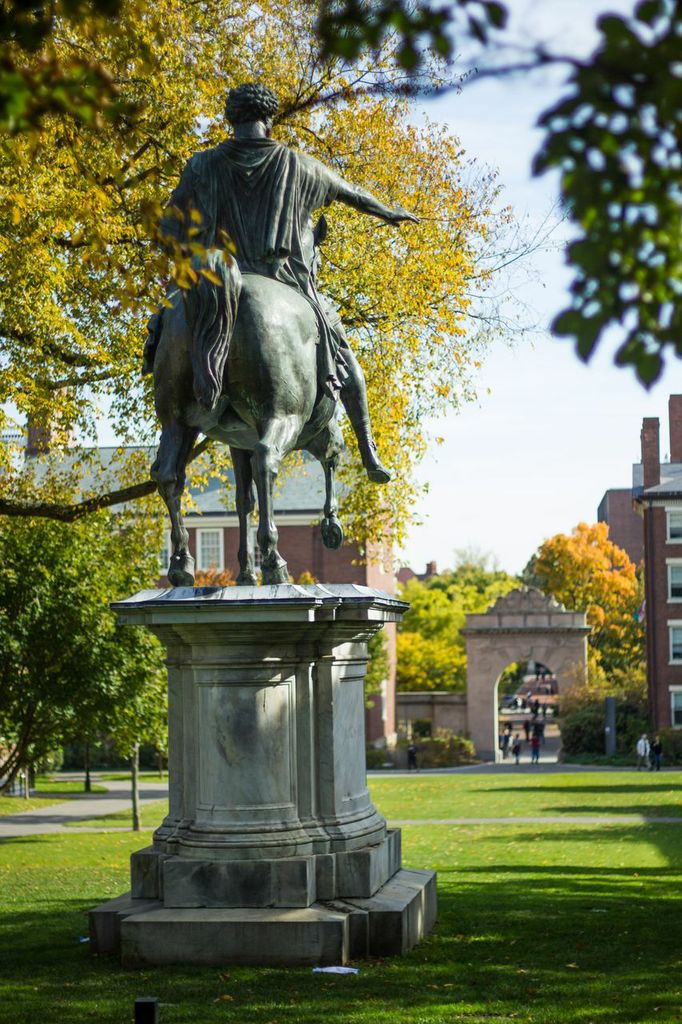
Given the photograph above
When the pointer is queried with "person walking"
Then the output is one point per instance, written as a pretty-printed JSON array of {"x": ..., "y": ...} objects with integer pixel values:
[
  {"x": 535, "y": 749},
  {"x": 656, "y": 754},
  {"x": 516, "y": 748},
  {"x": 526, "y": 728},
  {"x": 506, "y": 739},
  {"x": 643, "y": 750},
  {"x": 412, "y": 757}
]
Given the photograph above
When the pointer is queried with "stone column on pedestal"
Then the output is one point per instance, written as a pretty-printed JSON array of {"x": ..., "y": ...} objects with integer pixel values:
[{"x": 272, "y": 851}]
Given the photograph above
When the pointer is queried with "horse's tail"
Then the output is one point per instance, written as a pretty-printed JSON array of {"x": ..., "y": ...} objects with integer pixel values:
[{"x": 211, "y": 310}]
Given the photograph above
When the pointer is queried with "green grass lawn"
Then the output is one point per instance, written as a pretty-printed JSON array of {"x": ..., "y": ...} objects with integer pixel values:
[
  {"x": 48, "y": 784},
  {"x": 509, "y": 795},
  {"x": 573, "y": 924},
  {"x": 47, "y": 791},
  {"x": 497, "y": 796}
]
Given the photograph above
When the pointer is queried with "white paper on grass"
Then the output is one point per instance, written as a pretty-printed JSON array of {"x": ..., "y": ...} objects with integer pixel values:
[{"x": 336, "y": 970}]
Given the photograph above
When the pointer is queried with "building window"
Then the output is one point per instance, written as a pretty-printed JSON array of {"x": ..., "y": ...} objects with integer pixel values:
[
  {"x": 165, "y": 553},
  {"x": 675, "y": 525},
  {"x": 675, "y": 582},
  {"x": 675, "y": 642},
  {"x": 676, "y": 708},
  {"x": 210, "y": 550},
  {"x": 253, "y": 541}
]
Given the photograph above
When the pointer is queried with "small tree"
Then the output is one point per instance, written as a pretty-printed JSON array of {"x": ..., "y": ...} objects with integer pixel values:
[
  {"x": 585, "y": 571},
  {"x": 67, "y": 669},
  {"x": 431, "y": 654}
]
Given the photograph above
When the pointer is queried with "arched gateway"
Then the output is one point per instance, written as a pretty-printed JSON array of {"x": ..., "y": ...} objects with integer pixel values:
[{"x": 525, "y": 625}]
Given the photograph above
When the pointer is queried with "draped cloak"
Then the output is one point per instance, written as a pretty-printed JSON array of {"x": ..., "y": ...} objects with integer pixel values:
[{"x": 262, "y": 195}]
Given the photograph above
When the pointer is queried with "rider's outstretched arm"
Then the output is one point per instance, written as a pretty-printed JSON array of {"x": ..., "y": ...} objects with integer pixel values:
[{"x": 360, "y": 199}]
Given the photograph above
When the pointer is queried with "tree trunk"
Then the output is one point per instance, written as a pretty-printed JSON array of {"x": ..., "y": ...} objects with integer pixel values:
[
  {"x": 27, "y": 788},
  {"x": 135, "y": 778},
  {"x": 159, "y": 761},
  {"x": 86, "y": 762}
]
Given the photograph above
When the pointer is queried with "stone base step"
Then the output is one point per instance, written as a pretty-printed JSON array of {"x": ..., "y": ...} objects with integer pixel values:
[{"x": 386, "y": 924}]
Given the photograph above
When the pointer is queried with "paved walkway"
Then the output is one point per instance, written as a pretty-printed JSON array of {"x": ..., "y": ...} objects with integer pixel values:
[{"x": 83, "y": 807}]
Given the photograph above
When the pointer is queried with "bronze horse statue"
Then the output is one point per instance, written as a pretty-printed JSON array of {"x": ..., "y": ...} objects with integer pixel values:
[
  {"x": 251, "y": 355},
  {"x": 269, "y": 406}
]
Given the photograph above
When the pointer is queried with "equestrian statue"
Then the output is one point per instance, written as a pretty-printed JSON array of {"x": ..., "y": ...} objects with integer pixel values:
[{"x": 252, "y": 355}]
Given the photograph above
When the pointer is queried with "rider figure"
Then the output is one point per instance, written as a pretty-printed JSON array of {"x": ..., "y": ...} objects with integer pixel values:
[{"x": 262, "y": 195}]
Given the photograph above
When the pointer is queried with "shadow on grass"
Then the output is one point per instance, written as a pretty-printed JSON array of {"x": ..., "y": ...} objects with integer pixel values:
[
  {"x": 511, "y": 941},
  {"x": 667, "y": 840},
  {"x": 654, "y": 787}
]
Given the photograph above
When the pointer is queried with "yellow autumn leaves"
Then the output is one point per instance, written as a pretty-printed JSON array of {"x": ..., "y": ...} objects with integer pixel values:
[{"x": 79, "y": 206}]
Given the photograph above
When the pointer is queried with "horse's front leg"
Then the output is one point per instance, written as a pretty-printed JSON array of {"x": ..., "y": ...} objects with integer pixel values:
[
  {"x": 277, "y": 439},
  {"x": 332, "y": 531},
  {"x": 244, "y": 500},
  {"x": 168, "y": 470}
]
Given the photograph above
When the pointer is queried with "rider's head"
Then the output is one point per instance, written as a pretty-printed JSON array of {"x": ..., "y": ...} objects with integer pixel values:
[{"x": 251, "y": 103}]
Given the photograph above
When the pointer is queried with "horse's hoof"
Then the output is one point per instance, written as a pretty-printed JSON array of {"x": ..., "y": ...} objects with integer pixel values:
[
  {"x": 332, "y": 533},
  {"x": 181, "y": 571},
  {"x": 275, "y": 574},
  {"x": 247, "y": 579}
]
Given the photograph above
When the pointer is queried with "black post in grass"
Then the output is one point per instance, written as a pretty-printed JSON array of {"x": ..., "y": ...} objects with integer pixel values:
[
  {"x": 610, "y": 726},
  {"x": 147, "y": 1010}
]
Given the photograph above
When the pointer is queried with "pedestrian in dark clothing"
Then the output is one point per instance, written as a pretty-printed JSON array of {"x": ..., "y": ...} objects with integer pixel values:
[
  {"x": 526, "y": 729},
  {"x": 506, "y": 737},
  {"x": 412, "y": 757},
  {"x": 516, "y": 748},
  {"x": 656, "y": 754},
  {"x": 535, "y": 749}
]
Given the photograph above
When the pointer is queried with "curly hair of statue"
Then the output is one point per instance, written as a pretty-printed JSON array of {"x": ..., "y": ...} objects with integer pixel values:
[{"x": 250, "y": 102}]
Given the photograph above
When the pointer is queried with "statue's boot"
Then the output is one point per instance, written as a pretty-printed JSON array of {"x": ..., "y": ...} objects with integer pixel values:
[
  {"x": 376, "y": 471},
  {"x": 354, "y": 397}
]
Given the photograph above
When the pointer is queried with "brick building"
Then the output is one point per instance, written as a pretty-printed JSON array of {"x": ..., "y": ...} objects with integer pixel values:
[
  {"x": 625, "y": 525},
  {"x": 657, "y": 491}
]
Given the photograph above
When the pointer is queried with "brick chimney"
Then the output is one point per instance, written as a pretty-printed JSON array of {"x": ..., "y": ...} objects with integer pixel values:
[
  {"x": 675, "y": 420},
  {"x": 431, "y": 569},
  {"x": 651, "y": 458},
  {"x": 37, "y": 436}
]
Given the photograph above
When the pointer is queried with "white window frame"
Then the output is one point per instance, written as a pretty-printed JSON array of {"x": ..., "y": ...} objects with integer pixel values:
[
  {"x": 672, "y": 563},
  {"x": 673, "y": 690},
  {"x": 668, "y": 513},
  {"x": 673, "y": 624},
  {"x": 220, "y": 564},
  {"x": 165, "y": 563}
]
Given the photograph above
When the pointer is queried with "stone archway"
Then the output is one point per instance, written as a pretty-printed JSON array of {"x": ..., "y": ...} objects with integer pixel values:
[{"x": 525, "y": 625}]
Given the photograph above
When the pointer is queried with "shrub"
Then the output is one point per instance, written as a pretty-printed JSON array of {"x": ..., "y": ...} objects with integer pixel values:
[
  {"x": 672, "y": 745},
  {"x": 582, "y": 729},
  {"x": 443, "y": 750},
  {"x": 376, "y": 757}
]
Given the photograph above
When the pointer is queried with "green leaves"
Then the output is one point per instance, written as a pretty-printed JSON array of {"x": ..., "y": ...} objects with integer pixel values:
[
  {"x": 348, "y": 27},
  {"x": 34, "y": 82},
  {"x": 616, "y": 140}
]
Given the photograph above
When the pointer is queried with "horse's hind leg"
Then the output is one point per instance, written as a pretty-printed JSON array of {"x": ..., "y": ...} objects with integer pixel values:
[
  {"x": 168, "y": 471},
  {"x": 244, "y": 500},
  {"x": 278, "y": 438}
]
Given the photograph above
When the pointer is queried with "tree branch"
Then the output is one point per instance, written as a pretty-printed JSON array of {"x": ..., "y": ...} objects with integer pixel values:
[{"x": 68, "y": 513}]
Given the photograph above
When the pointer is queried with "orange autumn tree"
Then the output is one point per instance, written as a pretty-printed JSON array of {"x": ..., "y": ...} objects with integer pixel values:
[
  {"x": 81, "y": 273},
  {"x": 585, "y": 571}
]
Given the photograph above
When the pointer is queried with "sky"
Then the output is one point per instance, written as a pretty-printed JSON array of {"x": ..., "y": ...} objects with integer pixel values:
[{"x": 547, "y": 435}]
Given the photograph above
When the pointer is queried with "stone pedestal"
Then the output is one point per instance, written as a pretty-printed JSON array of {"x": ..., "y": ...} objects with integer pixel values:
[{"x": 272, "y": 851}]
